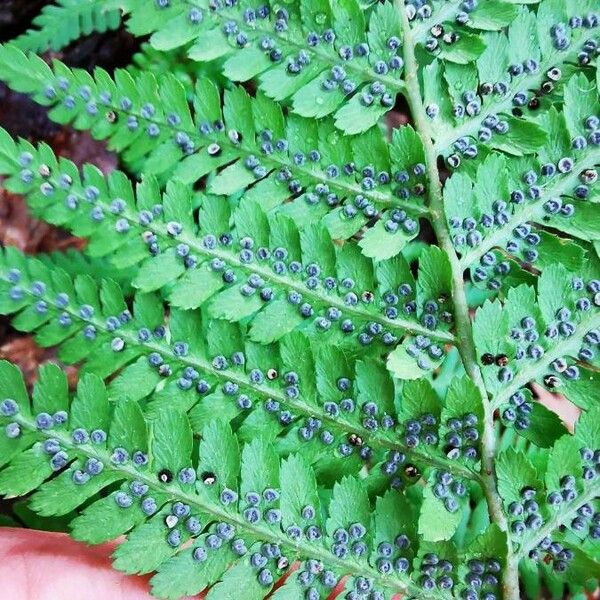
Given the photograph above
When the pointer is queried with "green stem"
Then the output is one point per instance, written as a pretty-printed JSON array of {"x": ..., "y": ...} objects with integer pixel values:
[{"x": 464, "y": 333}]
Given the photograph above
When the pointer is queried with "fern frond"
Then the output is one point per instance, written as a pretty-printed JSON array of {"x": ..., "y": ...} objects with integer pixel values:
[
  {"x": 508, "y": 82},
  {"x": 272, "y": 45},
  {"x": 559, "y": 491},
  {"x": 325, "y": 57},
  {"x": 61, "y": 23},
  {"x": 352, "y": 407},
  {"x": 260, "y": 269},
  {"x": 205, "y": 519},
  {"x": 246, "y": 142},
  {"x": 277, "y": 377},
  {"x": 551, "y": 339},
  {"x": 510, "y": 204}
]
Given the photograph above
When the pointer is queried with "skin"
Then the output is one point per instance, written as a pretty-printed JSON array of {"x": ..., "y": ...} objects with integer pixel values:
[{"x": 37, "y": 565}]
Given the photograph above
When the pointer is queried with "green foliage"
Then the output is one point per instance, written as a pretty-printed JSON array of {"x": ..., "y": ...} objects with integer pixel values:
[
  {"x": 154, "y": 475},
  {"x": 64, "y": 22},
  {"x": 280, "y": 373},
  {"x": 85, "y": 331},
  {"x": 151, "y": 125}
]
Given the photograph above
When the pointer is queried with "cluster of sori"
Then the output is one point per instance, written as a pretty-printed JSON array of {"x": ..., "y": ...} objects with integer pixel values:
[
  {"x": 402, "y": 297},
  {"x": 482, "y": 579},
  {"x": 561, "y": 36},
  {"x": 338, "y": 78},
  {"x": 422, "y": 10},
  {"x": 181, "y": 514},
  {"x": 314, "y": 577},
  {"x": 397, "y": 220},
  {"x": 261, "y": 507},
  {"x": 525, "y": 513},
  {"x": 268, "y": 562},
  {"x": 9, "y": 408},
  {"x": 528, "y": 98},
  {"x": 492, "y": 123},
  {"x": 59, "y": 458},
  {"x": 590, "y": 292},
  {"x": 491, "y": 269},
  {"x": 393, "y": 461},
  {"x": 369, "y": 416},
  {"x": 423, "y": 349},
  {"x": 363, "y": 589},
  {"x": 518, "y": 410},
  {"x": 465, "y": 231},
  {"x": 144, "y": 116},
  {"x": 190, "y": 379},
  {"x": 370, "y": 181},
  {"x": 392, "y": 555},
  {"x": 421, "y": 430},
  {"x": 367, "y": 177},
  {"x": 100, "y": 104},
  {"x": 434, "y": 313},
  {"x": 553, "y": 553},
  {"x": 522, "y": 244},
  {"x": 591, "y": 462},
  {"x": 561, "y": 367},
  {"x": 587, "y": 522},
  {"x": 311, "y": 428},
  {"x": 568, "y": 493},
  {"x": 442, "y": 37},
  {"x": 462, "y": 437},
  {"x": 500, "y": 360},
  {"x": 400, "y": 221},
  {"x": 465, "y": 147},
  {"x": 436, "y": 572},
  {"x": 449, "y": 490},
  {"x": 349, "y": 541}
]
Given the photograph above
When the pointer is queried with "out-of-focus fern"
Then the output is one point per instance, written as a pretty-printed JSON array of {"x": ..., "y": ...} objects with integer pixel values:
[
  {"x": 65, "y": 21},
  {"x": 277, "y": 370}
]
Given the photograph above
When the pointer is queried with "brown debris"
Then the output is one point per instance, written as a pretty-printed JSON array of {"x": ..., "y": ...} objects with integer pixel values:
[{"x": 24, "y": 352}]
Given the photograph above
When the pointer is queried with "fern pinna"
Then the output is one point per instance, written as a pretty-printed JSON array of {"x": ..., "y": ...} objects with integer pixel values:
[{"x": 284, "y": 386}]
